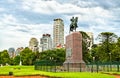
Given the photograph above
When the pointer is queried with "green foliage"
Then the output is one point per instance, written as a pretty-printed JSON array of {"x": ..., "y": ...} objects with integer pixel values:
[
  {"x": 107, "y": 50},
  {"x": 27, "y": 56},
  {"x": 116, "y": 51},
  {"x": 118, "y": 42},
  {"x": 16, "y": 60},
  {"x": 85, "y": 45},
  {"x": 4, "y": 57},
  {"x": 56, "y": 55},
  {"x": 107, "y": 37}
]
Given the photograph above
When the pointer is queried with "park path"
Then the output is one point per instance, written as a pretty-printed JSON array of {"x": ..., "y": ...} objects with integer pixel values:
[
  {"x": 22, "y": 77},
  {"x": 116, "y": 76}
]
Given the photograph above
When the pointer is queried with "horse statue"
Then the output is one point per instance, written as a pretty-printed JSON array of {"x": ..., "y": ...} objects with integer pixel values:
[{"x": 73, "y": 24}]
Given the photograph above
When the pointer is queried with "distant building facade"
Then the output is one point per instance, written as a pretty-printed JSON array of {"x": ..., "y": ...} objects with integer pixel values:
[
  {"x": 18, "y": 50},
  {"x": 91, "y": 41},
  {"x": 11, "y": 52},
  {"x": 46, "y": 42},
  {"x": 58, "y": 33},
  {"x": 33, "y": 44}
]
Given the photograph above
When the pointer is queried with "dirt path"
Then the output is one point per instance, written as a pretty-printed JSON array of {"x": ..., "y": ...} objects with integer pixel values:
[
  {"x": 22, "y": 77},
  {"x": 117, "y": 76}
]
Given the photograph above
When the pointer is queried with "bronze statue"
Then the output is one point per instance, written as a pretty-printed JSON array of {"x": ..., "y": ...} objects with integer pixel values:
[{"x": 73, "y": 24}]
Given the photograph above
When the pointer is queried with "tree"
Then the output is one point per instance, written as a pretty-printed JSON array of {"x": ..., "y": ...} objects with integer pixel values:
[
  {"x": 27, "y": 56},
  {"x": 107, "y": 37},
  {"x": 5, "y": 58},
  {"x": 116, "y": 51},
  {"x": 98, "y": 53},
  {"x": 16, "y": 60},
  {"x": 57, "y": 55},
  {"x": 85, "y": 45},
  {"x": 118, "y": 42},
  {"x": 106, "y": 46}
]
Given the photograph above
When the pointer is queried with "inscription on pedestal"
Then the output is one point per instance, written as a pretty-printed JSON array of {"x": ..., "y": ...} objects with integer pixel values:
[{"x": 68, "y": 52}]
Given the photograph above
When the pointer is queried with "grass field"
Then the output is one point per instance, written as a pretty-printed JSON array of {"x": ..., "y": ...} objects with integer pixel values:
[{"x": 29, "y": 70}]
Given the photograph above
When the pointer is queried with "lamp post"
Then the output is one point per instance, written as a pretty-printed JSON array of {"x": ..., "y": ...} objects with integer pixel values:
[
  {"x": 110, "y": 62},
  {"x": 0, "y": 60},
  {"x": 93, "y": 59},
  {"x": 93, "y": 62},
  {"x": 20, "y": 61},
  {"x": 51, "y": 63},
  {"x": 51, "y": 58}
]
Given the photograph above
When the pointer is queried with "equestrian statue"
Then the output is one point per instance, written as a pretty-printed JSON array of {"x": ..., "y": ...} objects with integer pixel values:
[{"x": 73, "y": 24}]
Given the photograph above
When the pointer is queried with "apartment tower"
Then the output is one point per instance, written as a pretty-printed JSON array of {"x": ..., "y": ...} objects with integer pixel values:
[
  {"x": 46, "y": 42},
  {"x": 58, "y": 33}
]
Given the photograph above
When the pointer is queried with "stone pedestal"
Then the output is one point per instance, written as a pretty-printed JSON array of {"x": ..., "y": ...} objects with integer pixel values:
[{"x": 74, "y": 61}]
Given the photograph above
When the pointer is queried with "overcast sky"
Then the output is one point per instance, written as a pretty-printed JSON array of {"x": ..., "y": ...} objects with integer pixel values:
[{"x": 22, "y": 19}]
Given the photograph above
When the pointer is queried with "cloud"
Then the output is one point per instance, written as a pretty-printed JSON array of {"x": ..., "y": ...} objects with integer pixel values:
[
  {"x": 8, "y": 19},
  {"x": 49, "y": 7},
  {"x": 85, "y": 3},
  {"x": 11, "y": 1},
  {"x": 16, "y": 34},
  {"x": 2, "y": 9},
  {"x": 32, "y": 18},
  {"x": 106, "y": 4},
  {"x": 20, "y": 34}
]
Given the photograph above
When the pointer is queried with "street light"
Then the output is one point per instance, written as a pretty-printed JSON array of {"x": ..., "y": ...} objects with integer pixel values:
[
  {"x": 0, "y": 60},
  {"x": 93, "y": 62},
  {"x": 51, "y": 58},
  {"x": 51, "y": 63},
  {"x": 110, "y": 61},
  {"x": 93, "y": 59},
  {"x": 20, "y": 61},
  {"x": 110, "y": 56},
  {"x": 54, "y": 62}
]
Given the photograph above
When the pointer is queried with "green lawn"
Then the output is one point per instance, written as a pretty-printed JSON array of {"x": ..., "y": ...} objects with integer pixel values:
[{"x": 29, "y": 70}]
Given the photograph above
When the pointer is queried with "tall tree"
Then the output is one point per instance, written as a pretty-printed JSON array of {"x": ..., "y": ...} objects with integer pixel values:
[
  {"x": 107, "y": 40},
  {"x": 85, "y": 45},
  {"x": 107, "y": 37},
  {"x": 116, "y": 51}
]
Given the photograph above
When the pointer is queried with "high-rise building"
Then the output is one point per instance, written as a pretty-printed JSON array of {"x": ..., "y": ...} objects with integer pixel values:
[
  {"x": 91, "y": 41},
  {"x": 33, "y": 44},
  {"x": 46, "y": 42},
  {"x": 58, "y": 33},
  {"x": 18, "y": 50},
  {"x": 11, "y": 52}
]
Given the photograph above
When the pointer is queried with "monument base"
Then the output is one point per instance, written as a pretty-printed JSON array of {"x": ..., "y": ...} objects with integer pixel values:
[
  {"x": 74, "y": 61},
  {"x": 74, "y": 66}
]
